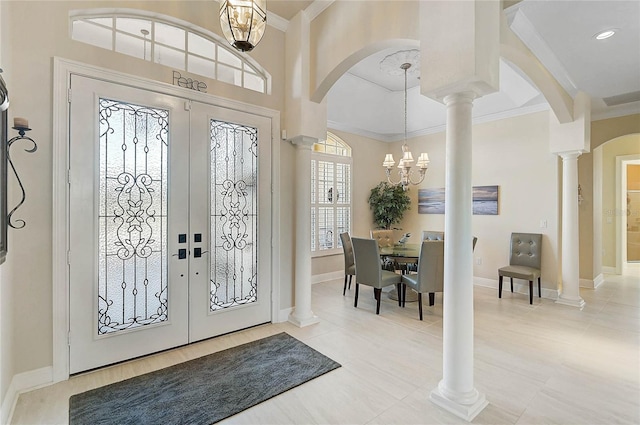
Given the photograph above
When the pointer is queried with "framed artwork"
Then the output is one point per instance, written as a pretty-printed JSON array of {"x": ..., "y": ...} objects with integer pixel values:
[{"x": 485, "y": 200}]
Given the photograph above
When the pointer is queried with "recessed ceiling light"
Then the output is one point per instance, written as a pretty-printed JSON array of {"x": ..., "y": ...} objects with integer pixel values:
[{"x": 605, "y": 34}]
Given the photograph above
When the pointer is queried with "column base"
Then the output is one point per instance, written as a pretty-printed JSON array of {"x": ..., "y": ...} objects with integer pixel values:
[
  {"x": 571, "y": 302},
  {"x": 464, "y": 411},
  {"x": 301, "y": 323}
]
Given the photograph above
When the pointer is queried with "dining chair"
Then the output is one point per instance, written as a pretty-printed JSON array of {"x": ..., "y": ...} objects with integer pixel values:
[
  {"x": 369, "y": 271},
  {"x": 430, "y": 276},
  {"x": 524, "y": 261},
  {"x": 430, "y": 235},
  {"x": 384, "y": 238},
  {"x": 349, "y": 263}
]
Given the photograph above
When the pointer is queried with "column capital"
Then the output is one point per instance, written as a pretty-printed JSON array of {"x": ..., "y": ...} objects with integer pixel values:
[
  {"x": 303, "y": 142},
  {"x": 460, "y": 97},
  {"x": 567, "y": 155}
]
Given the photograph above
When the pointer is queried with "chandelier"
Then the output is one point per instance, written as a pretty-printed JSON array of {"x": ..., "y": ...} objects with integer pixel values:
[
  {"x": 243, "y": 22},
  {"x": 405, "y": 172}
]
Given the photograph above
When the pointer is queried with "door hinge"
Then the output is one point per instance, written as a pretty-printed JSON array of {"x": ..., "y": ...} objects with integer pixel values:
[
  {"x": 69, "y": 257},
  {"x": 69, "y": 177},
  {"x": 69, "y": 338},
  {"x": 69, "y": 95},
  {"x": 187, "y": 105}
]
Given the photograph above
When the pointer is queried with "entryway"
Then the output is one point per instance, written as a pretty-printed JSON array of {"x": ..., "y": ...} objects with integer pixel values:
[{"x": 169, "y": 221}]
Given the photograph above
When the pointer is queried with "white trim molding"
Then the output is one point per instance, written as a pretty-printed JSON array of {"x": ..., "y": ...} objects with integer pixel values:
[
  {"x": 325, "y": 277},
  {"x": 22, "y": 383}
]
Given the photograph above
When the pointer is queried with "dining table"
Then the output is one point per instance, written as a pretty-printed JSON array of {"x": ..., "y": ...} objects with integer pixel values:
[{"x": 402, "y": 255}]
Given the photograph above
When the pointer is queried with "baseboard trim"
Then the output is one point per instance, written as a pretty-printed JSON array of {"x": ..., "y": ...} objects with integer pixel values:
[
  {"x": 21, "y": 383},
  {"x": 325, "y": 277},
  {"x": 520, "y": 288},
  {"x": 587, "y": 283},
  {"x": 599, "y": 280},
  {"x": 283, "y": 315}
]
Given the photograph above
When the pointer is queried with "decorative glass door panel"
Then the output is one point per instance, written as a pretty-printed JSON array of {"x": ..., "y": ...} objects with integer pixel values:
[
  {"x": 234, "y": 215},
  {"x": 132, "y": 216},
  {"x": 232, "y": 209},
  {"x": 129, "y": 170}
]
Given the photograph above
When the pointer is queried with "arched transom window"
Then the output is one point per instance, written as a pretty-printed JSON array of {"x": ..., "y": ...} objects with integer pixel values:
[{"x": 170, "y": 42}]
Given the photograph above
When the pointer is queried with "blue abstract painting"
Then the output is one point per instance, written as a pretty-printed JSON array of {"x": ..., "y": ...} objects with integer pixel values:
[{"x": 485, "y": 200}]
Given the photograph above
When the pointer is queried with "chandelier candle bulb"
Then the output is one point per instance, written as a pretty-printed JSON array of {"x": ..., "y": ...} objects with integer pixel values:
[{"x": 20, "y": 122}]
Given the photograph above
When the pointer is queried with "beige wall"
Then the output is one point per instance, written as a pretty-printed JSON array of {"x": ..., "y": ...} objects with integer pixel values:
[
  {"x": 31, "y": 94},
  {"x": 511, "y": 153},
  {"x": 590, "y": 213}
]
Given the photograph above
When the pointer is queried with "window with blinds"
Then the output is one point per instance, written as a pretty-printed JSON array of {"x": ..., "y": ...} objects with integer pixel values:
[{"x": 331, "y": 168}]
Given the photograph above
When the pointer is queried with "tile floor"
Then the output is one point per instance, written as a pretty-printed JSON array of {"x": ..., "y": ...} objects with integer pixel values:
[{"x": 537, "y": 364}]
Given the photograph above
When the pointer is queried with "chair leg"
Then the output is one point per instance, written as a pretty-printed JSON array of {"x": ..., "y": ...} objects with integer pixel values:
[
  {"x": 350, "y": 277},
  {"x": 378, "y": 295},
  {"x": 531, "y": 292},
  {"x": 432, "y": 298},
  {"x": 399, "y": 291},
  {"x": 499, "y": 286},
  {"x": 539, "y": 292},
  {"x": 420, "y": 304},
  {"x": 355, "y": 303},
  {"x": 344, "y": 290},
  {"x": 511, "y": 284},
  {"x": 404, "y": 295}
]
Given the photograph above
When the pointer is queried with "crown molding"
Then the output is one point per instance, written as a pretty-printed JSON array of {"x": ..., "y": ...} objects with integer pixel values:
[
  {"x": 277, "y": 22},
  {"x": 316, "y": 8}
]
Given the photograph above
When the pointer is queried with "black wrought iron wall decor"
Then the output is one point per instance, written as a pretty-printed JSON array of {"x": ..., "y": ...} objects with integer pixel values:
[{"x": 22, "y": 126}]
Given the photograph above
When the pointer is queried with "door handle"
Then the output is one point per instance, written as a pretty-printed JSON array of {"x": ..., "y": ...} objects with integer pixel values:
[
  {"x": 197, "y": 252},
  {"x": 182, "y": 254}
]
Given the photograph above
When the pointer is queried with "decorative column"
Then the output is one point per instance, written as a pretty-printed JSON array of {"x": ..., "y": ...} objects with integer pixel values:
[
  {"x": 456, "y": 392},
  {"x": 302, "y": 315},
  {"x": 570, "y": 293}
]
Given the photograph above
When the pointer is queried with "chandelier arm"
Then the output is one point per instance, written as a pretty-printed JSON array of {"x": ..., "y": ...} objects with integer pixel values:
[
  {"x": 391, "y": 181},
  {"x": 422, "y": 175}
]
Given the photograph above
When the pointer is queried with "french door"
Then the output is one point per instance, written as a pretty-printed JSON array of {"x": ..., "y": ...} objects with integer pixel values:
[{"x": 169, "y": 222}]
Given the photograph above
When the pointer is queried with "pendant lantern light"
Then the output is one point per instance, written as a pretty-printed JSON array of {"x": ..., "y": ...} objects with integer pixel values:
[{"x": 243, "y": 22}]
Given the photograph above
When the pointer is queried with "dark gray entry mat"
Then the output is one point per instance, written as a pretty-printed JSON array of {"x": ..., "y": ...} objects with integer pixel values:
[{"x": 204, "y": 390}]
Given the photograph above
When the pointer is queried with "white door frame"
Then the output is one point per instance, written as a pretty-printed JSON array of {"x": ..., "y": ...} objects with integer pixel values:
[{"x": 62, "y": 71}]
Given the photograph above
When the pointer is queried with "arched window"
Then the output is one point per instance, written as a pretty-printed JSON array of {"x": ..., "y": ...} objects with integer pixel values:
[
  {"x": 170, "y": 42},
  {"x": 330, "y": 194}
]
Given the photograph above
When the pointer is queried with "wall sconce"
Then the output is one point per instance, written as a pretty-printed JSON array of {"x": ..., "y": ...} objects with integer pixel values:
[
  {"x": 22, "y": 125},
  {"x": 580, "y": 197}
]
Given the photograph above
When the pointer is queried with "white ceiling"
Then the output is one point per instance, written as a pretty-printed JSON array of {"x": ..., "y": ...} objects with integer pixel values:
[{"x": 560, "y": 33}]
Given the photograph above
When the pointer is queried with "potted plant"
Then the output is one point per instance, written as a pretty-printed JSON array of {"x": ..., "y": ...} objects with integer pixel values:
[{"x": 388, "y": 203}]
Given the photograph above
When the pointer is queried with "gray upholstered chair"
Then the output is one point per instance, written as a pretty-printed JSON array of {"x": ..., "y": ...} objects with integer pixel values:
[
  {"x": 430, "y": 276},
  {"x": 524, "y": 261},
  {"x": 430, "y": 235},
  {"x": 369, "y": 271},
  {"x": 349, "y": 263}
]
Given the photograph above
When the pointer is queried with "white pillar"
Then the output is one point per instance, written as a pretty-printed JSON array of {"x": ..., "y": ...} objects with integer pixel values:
[
  {"x": 302, "y": 315},
  {"x": 570, "y": 294},
  {"x": 456, "y": 392}
]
